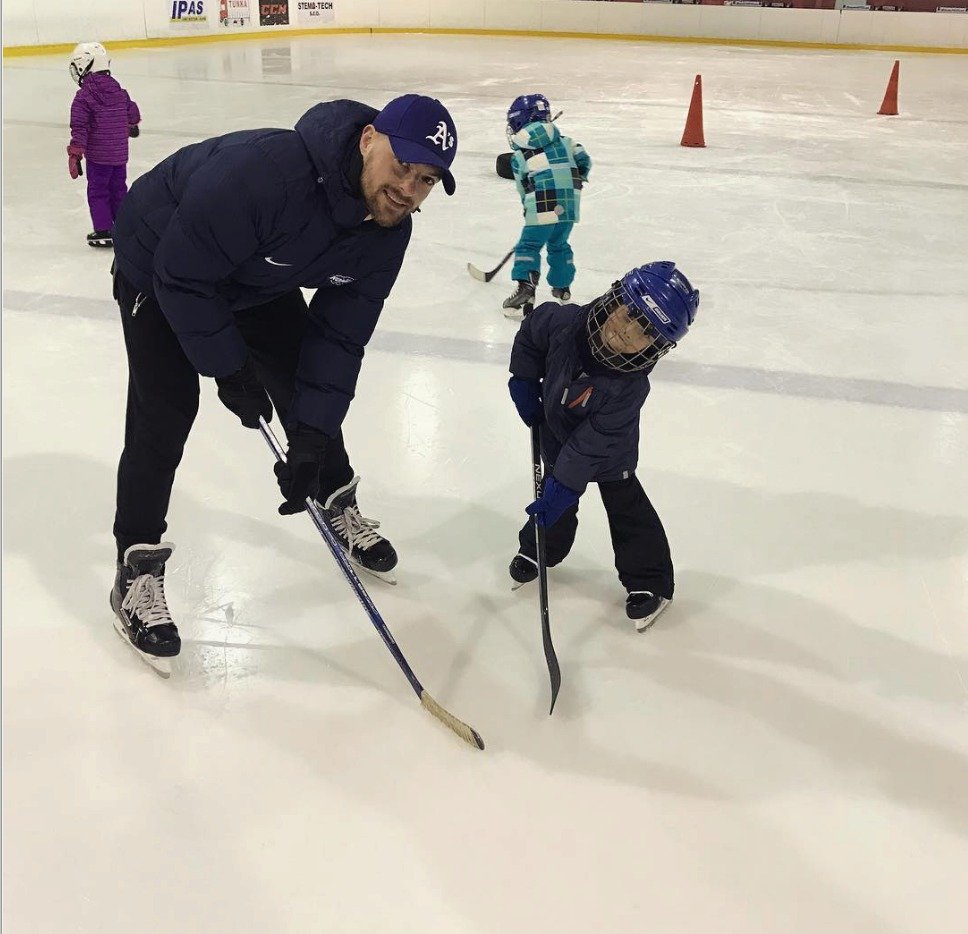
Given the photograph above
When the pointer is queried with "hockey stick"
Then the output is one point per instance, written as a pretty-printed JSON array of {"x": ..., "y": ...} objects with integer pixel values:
[
  {"x": 465, "y": 732},
  {"x": 482, "y": 276},
  {"x": 554, "y": 672}
]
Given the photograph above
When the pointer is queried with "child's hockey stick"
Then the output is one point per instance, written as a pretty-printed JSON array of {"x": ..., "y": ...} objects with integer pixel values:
[
  {"x": 554, "y": 671},
  {"x": 482, "y": 276}
]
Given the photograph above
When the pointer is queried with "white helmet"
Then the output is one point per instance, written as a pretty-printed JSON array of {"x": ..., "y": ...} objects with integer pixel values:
[{"x": 88, "y": 57}]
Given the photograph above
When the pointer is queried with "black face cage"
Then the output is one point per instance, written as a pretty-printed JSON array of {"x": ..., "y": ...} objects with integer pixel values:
[
  {"x": 603, "y": 354},
  {"x": 79, "y": 75}
]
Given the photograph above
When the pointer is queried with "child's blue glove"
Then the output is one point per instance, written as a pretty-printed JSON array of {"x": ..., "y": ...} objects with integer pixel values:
[
  {"x": 526, "y": 394},
  {"x": 556, "y": 499}
]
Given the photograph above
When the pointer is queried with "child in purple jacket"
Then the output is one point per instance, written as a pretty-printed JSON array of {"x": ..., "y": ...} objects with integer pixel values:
[{"x": 103, "y": 116}]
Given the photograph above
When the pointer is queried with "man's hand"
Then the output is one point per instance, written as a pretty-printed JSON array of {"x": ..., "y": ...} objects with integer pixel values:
[
  {"x": 243, "y": 394},
  {"x": 299, "y": 476}
]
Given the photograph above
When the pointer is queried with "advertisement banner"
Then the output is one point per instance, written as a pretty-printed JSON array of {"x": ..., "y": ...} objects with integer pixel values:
[
  {"x": 234, "y": 13},
  {"x": 188, "y": 14},
  {"x": 274, "y": 14},
  {"x": 313, "y": 12}
]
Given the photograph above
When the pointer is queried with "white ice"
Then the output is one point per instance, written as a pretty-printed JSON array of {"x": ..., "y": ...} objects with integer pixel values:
[{"x": 785, "y": 751}]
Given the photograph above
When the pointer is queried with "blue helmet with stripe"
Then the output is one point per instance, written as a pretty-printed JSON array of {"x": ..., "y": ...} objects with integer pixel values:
[
  {"x": 528, "y": 108},
  {"x": 659, "y": 299},
  {"x": 664, "y": 296}
]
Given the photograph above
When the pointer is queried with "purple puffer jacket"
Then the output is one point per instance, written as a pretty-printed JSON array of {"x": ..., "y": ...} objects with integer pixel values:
[{"x": 101, "y": 113}]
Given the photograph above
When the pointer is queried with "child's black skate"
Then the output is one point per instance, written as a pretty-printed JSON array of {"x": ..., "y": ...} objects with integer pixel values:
[
  {"x": 366, "y": 548},
  {"x": 521, "y": 302},
  {"x": 141, "y": 613},
  {"x": 643, "y": 607},
  {"x": 100, "y": 238},
  {"x": 523, "y": 570},
  {"x": 562, "y": 295}
]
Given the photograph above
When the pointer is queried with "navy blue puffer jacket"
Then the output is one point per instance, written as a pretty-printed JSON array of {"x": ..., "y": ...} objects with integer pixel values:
[
  {"x": 591, "y": 427},
  {"x": 235, "y": 221}
]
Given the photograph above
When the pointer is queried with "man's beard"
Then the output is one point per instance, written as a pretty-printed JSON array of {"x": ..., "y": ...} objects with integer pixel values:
[{"x": 386, "y": 213}]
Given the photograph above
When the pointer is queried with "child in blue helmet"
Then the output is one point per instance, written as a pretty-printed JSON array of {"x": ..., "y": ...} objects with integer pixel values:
[
  {"x": 549, "y": 171},
  {"x": 582, "y": 373}
]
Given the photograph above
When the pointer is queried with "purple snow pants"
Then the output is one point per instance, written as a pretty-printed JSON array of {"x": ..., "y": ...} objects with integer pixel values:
[{"x": 105, "y": 188}]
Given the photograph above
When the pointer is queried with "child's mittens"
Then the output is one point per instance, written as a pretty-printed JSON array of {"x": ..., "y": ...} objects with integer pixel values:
[
  {"x": 556, "y": 499},
  {"x": 133, "y": 130},
  {"x": 74, "y": 156},
  {"x": 526, "y": 395}
]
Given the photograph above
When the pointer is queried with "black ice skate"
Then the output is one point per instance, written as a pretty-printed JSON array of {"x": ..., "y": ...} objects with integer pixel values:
[
  {"x": 100, "y": 238},
  {"x": 643, "y": 607},
  {"x": 141, "y": 612},
  {"x": 562, "y": 295},
  {"x": 367, "y": 549},
  {"x": 523, "y": 570},
  {"x": 521, "y": 302}
]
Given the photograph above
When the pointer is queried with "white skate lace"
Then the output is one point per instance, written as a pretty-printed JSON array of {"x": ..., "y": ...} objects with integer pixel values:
[
  {"x": 356, "y": 529},
  {"x": 146, "y": 599}
]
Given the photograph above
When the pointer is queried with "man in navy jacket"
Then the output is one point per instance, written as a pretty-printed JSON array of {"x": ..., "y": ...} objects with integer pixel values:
[{"x": 212, "y": 247}]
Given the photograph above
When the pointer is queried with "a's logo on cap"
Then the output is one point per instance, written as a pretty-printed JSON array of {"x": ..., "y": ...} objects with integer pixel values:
[{"x": 442, "y": 138}]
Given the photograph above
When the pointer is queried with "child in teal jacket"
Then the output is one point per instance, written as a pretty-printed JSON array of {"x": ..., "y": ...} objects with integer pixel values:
[{"x": 549, "y": 171}]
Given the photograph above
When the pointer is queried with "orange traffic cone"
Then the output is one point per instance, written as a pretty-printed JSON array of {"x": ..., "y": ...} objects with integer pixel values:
[
  {"x": 889, "y": 107},
  {"x": 692, "y": 134}
]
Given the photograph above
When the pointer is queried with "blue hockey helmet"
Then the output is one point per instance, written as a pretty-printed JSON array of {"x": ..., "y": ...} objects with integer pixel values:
[
  {"x": 660, "y": 305},
  {"x": 528, "y": 108}
]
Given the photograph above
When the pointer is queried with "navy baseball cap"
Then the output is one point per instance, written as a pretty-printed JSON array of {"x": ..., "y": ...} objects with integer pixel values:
[{"x": 421, "y": 130}]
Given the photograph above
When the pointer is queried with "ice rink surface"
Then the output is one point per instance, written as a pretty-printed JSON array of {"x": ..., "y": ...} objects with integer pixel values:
[{"x": 786, "y": 750}]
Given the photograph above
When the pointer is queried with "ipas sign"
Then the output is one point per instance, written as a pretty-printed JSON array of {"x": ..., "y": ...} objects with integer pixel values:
[{"x": 186, "y": 11}]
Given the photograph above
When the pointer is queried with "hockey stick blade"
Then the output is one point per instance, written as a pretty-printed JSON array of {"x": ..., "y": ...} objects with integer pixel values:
[
  {"x": 551, "y": 658},
  {"x": 482, "y": 276},
  {"x": 465, "y": 732},
  {"x": 448, "y": 719}
]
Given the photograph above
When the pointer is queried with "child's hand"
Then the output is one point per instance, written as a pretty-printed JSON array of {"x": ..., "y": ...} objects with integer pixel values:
[
  {"x": 526, "y": 395},
  {"x": 556, "y": 499},
  {"x": 74, "y": 156}
]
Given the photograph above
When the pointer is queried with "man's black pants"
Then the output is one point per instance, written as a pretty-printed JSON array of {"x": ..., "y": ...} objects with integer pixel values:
[
  {"x": 641, "y": 548},
  {"x": 163, "y": 402}
]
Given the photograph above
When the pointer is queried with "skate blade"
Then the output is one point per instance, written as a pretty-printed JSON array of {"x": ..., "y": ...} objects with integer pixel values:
[
  {"x": 514, "y": 314},
  {"x": 388, "y": 577},
  {"x": 641, "y": 625},
  {"x": 160, "y": 666},
  {"x": 517, "y": 585}
]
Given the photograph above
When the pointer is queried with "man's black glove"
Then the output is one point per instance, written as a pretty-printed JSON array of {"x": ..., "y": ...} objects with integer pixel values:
[
  {"x": 243, "y": 394},
  {"x": 133, "y": 130},
  {"x": 299, "y": 476}
]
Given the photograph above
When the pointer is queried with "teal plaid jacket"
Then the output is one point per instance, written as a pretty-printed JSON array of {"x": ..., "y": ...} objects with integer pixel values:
[{"x": 549, "y": 170}]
